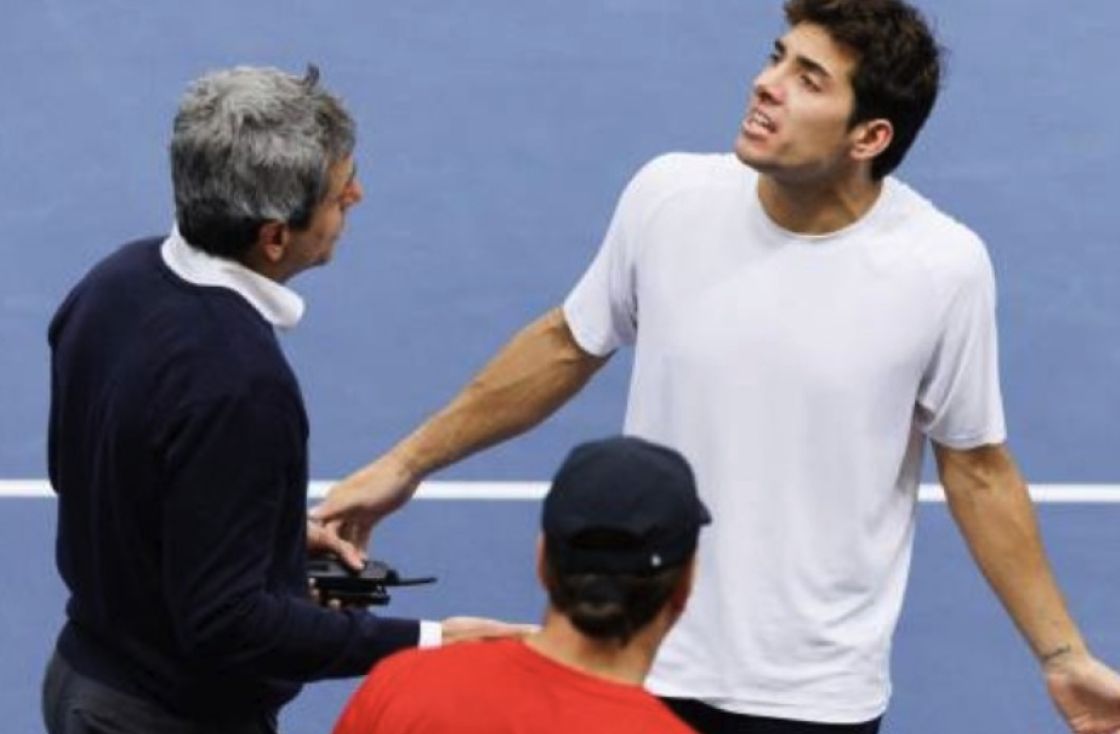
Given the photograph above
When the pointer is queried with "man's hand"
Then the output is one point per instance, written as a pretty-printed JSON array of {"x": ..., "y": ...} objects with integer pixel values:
[
  {"x": 1086, "y": 692},
  {"x": 465, "y": 629},
  {"x": 325, "y": 539},
  {"x": 358, "y": 502}
]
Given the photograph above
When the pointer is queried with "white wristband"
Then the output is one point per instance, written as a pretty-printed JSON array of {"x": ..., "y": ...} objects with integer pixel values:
[{"x": 431, "y": 634}]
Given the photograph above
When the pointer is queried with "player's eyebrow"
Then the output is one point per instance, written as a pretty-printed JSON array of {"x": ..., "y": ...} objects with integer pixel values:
[{"x": 803, "y": 61}]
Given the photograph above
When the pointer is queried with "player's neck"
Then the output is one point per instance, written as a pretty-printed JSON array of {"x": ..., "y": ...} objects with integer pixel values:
[
  {"x": 817, "y": 207},
  {"x": 629, "y": 664}
]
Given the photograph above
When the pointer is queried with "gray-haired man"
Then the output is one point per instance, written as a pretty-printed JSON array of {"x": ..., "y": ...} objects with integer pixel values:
[{"x": 178, "y": 436}]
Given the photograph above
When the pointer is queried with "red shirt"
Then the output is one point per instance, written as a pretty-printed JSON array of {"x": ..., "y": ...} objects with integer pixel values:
[{"x": 502, "y": 687}]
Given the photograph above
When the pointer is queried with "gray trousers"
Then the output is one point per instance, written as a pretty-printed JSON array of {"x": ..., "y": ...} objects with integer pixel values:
[{"x": 76, "y": 704}]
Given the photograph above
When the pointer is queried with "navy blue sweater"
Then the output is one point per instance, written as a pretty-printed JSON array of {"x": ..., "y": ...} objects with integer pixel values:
[{"x": 178, "y": 450}]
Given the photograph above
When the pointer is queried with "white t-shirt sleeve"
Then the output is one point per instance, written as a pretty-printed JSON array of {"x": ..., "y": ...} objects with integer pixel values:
[
  {"x": 602, "y": 309},
  {"x": 959, "y": 399}
]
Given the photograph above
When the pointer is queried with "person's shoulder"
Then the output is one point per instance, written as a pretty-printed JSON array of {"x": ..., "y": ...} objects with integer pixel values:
[
  {"x": 434, "y": 666},
  {"x": 391, "y": 681},
  {"x": 121, "y": 267},
  {"x": 944, "y": 243},
  {"x": 399, "y": 663},
  {"x": 671, "y": 176},
  {"x": 109, "y": 284},
  {"x": 137, "y": 275},
  {"x": 682, "y": 170},
  {"x": 479, "y": 652},
  {"x": 915, "y": 211}
]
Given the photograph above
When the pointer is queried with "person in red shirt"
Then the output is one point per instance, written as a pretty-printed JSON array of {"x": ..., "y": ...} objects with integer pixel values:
[{"x": 620, "y": 525}]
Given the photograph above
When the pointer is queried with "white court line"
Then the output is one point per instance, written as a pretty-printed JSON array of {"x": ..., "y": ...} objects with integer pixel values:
[{"x": 1042, "y": 493}]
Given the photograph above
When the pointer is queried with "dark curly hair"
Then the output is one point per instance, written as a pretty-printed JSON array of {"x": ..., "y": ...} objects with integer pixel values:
[{"x": 898, "y": 70}]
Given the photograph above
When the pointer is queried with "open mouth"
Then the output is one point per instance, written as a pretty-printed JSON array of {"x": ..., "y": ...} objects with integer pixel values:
[{"x": 759, "y": 121}]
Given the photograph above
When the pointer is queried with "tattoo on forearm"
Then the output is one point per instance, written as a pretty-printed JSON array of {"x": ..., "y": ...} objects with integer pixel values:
[{"x": 1055, "y": 653}]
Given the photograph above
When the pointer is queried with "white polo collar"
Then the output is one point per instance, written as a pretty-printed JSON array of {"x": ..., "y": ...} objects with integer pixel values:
[{"x": 277, "y": 304}]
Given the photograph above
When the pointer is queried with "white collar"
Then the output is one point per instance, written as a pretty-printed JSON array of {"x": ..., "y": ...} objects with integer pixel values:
[{"x": 277, "y": 304}]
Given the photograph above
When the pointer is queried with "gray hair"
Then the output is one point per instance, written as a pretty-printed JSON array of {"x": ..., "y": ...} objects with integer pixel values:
[{"x": 253, "y": 145}]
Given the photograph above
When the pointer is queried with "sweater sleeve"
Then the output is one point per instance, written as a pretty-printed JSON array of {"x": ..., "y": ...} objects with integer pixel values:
[{"x": 230, "y": 519}]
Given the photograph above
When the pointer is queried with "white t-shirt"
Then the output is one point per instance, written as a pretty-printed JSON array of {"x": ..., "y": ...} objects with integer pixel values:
[{"x": 799, "y": 375}]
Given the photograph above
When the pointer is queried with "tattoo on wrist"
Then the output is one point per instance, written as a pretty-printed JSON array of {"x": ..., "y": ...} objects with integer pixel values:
[{"x": 1055, "y": 654}]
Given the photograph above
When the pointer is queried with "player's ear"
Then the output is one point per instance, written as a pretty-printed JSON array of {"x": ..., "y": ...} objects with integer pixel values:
[
  {"x": 540, "y": 559},
  {"x": 272, "y": 241},
  {"x": 870, "y": 138},
  {"x": 679, "y": 598}
]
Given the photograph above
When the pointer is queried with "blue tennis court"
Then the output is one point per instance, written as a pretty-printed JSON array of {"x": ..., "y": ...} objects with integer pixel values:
[{"x": 494, "y": 139}]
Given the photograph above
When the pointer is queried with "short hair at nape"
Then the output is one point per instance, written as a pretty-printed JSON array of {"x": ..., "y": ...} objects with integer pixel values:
[
  {"x": 252, "y": 145},
  {"x": 610, "y": 607}
]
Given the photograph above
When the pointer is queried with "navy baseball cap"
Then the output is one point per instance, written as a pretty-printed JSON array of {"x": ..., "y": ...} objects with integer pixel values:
[{"x": 622, "y": 505}]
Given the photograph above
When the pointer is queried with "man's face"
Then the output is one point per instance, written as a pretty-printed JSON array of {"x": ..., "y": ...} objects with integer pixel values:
[
  {"x": 314, "y": 245},
  {"x": 796, "y": 125}
]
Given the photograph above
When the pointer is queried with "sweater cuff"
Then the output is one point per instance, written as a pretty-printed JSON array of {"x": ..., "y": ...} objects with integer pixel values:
[{"x": 431, "y": 634}]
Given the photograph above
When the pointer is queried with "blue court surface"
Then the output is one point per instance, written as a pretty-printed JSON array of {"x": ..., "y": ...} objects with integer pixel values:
[
  {"x": 959, "y": 665},
  {"x": 495, "y": 136}
]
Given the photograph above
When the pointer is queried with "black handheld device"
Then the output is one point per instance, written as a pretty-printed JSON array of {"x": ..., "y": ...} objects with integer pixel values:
[{"x": 334, "y": 580}]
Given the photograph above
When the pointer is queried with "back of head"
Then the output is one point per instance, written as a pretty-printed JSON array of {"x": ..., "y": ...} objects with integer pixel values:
[
  {"x": 621, "y": 523},
  {"x": 253, "y": 145},
  {"x": 611, "y": 606},
  {"x": 898, "y": 72}
]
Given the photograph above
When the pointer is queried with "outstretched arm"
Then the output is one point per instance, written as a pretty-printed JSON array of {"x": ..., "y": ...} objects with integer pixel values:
[
  {"x": 989, "y": 501},
  {"x": 533, "y": 375}
]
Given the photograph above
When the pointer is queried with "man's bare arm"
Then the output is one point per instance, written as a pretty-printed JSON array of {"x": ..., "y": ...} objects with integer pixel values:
[
  {"x": 535, "y": 373},
  {"x": 990, "y": 503}
]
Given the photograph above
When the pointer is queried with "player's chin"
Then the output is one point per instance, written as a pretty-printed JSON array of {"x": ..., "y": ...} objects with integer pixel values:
[
  {"x": 748, "y": 155},
  {"x": 745, "y": 152}
]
